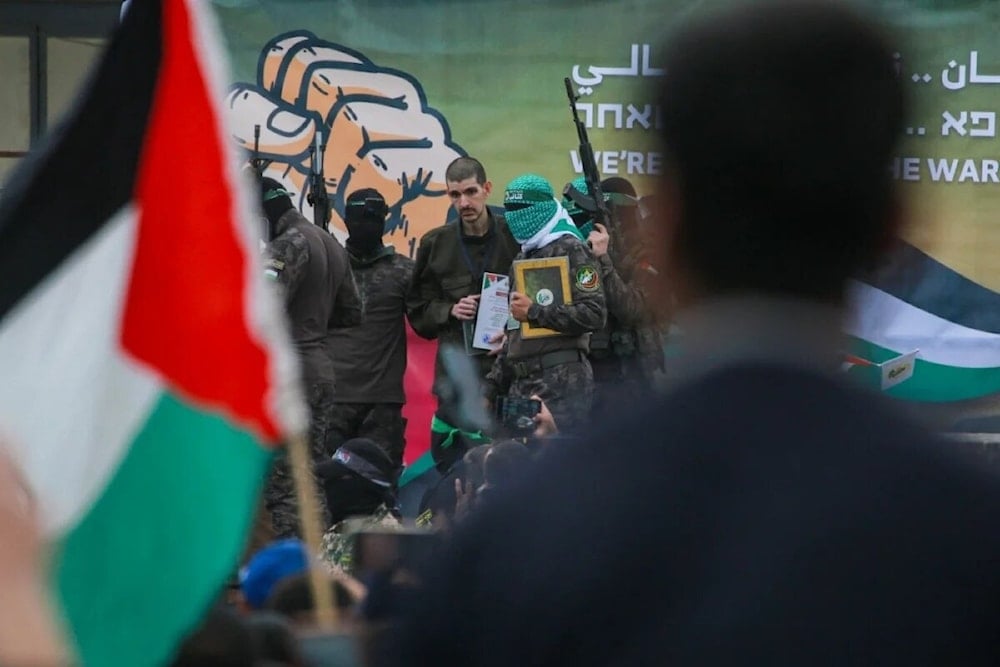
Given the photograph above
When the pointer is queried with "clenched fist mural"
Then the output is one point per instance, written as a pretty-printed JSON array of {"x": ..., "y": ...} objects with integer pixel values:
[{"x": 375, "y": 122}]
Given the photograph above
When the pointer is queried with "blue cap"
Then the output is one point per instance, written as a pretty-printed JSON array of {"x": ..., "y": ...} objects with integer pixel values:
[{"x": 270, "y": 565}]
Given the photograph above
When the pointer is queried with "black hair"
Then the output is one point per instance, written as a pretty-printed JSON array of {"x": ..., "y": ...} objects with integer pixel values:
[
  {"x": 779, "y": 120},
  {"x": 222, "y": 639},
  {"x": 292, "y": 597},
  {"x": 274, "y": 641},
  {"x": 505, "y": 462},
  {"x": 465, "y": 167}
]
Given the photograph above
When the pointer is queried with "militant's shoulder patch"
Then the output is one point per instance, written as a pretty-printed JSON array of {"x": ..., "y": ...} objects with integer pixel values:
[
  {"x": 273, "y": 268},
  {"x": 587, "y": 278}
]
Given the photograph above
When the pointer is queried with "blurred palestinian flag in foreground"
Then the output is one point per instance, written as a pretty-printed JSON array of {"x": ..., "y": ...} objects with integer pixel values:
[
  {"x": 145, "y": 370},
  {"x": 917, "y": 303}
]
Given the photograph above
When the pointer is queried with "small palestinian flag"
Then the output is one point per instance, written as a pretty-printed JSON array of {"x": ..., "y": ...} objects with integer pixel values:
[
  {"x": 146, "y": 375},
  {"x": 918, "y": 303}
]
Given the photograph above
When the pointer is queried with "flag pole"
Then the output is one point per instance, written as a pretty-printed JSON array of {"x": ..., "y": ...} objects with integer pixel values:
[{"x": 309, "y": 519}]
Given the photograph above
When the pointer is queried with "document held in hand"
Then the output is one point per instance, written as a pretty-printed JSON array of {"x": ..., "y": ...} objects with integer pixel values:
[
  {"x": 546, "y": 282},
  {"x": 494, "y": 309}
]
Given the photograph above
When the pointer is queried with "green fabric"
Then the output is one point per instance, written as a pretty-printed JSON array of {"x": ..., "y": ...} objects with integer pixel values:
[
  {"x": 932, "y": 382},
  {"x": 584, "y": 221},
  {"x": 442, "y": 427},
  {"x": 528, "y": 221},
  {"x": 564, "y": 224},
  {"x": 416, "y": 469},
  {"x": 274, "y": 194},
  {"x": 579, "y": 183},
  {"x": 519, "y": 195},
  {"x": 131, "y": 587}
]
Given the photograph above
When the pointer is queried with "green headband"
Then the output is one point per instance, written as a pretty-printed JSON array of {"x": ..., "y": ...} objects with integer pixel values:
[
  {"x": 620, "y": 199},
  {"x": 523, "y": 196},
  {"x": 441, "y": 427},
  {"x": 274, "y": 194}
]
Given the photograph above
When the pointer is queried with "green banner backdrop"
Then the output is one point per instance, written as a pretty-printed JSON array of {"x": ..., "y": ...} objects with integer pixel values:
[
  {"x": 398, "y": 89},
  {"x": 492, "y": 72}
]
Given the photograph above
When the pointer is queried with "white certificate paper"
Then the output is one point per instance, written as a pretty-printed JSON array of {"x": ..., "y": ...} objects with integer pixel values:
[{"x": 494, "y": 309}]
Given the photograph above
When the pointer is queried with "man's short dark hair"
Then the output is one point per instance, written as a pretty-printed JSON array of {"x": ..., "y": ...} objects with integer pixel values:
[
  {"x": 779, "y": 122},
  {"x": 463, "y": 168}
]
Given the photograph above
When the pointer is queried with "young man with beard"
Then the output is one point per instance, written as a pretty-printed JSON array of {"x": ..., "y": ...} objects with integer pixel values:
[
  {"x": 370, "y": 359},
  {"x": 448, "y": 278}
]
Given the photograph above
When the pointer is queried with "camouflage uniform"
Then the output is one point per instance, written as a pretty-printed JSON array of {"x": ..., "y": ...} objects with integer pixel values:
[
  {"x": 338, "y": 541},
  {"x": 370, "y": 359},
  {"x": 628, "y": 350},
  {"x": 315, "y": 278},
  {"x": 556, "y": 367}
]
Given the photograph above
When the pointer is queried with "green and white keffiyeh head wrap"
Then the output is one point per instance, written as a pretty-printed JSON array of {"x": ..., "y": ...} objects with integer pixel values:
[
  {"x": 575, "y": 212},
  {"x": 533, "y": 215}
]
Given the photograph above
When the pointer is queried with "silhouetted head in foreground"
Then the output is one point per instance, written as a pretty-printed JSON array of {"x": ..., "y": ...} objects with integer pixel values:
[{"x": 779, "y": 122}]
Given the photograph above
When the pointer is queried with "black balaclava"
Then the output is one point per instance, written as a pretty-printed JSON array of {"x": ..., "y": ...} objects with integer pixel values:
[
  {"x": 364, "y": 215},
  {"x": 348, "y": 495},
  {"x": 622, "y": 199},
  {"x": 357, "y": 480},
  {"x": 275, "y": 199}
]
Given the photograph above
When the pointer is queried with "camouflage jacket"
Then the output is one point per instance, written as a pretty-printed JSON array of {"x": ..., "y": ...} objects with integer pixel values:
[
  {"x": 574, "y": 321},
  {"x": 627, "y": 301},
  {"x": 315, "y": 276},
  {"x": 632, "y": 330},
  {"x": 338, "y": 542},
  {"x": 370, "y": 358}
]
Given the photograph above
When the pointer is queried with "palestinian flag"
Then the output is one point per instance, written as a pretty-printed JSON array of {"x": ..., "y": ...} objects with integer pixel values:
[
  {"x": 917, "y": 303},
  {"x": 145, "y": 370}
]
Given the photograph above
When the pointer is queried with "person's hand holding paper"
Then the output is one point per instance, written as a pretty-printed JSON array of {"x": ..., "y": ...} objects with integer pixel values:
[{"x": 466, "y": 307}]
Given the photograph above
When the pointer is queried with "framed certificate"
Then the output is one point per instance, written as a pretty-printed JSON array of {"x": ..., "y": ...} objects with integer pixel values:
[{"x": 546, "y": 282}]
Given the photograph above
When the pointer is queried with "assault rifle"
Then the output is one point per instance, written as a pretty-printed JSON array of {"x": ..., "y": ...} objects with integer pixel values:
[
  {"x": 595, "y": 203},
  {"x": 257, "y": 163},
  {"x": 318, "y": 197}
]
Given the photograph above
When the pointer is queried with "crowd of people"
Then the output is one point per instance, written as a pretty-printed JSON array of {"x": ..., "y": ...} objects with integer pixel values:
[
  {"x": 759, "y": 509},
  {"x": 348, "y": 306}
]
